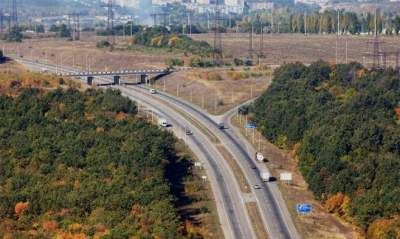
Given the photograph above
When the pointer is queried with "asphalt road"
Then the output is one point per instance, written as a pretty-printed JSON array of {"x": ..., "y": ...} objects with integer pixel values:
[
  {"x": 274, "y": 212},
  {"x": 275, "y": 215},
  {"x": 229, "y": 200}
]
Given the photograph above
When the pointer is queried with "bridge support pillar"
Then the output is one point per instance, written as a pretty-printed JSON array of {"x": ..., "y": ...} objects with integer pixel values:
[
  {"x": 117, "y": 80},
  {"x": 89, "y": 80},
  {"x": 143, "y": 79}
]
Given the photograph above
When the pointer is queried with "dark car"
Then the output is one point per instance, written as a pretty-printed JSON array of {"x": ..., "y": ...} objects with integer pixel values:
[{"x": 188, "y": 132}]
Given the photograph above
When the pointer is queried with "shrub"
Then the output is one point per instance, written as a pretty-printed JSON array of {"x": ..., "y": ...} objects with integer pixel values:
[
  {"x": 238, "y": 62},
  {"x": 103, "y": 44},
  {"x": 197, "y": 62},
  {"x": 174, "y": 62}
]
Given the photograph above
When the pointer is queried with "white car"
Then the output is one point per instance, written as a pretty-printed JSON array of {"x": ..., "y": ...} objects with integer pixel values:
[
  {"x": 163, "y": 122},
  {"x": 153, "y": 91}
]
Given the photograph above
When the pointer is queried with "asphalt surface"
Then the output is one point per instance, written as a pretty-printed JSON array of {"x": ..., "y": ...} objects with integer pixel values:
[
  {"x": 229, "y": 200},
  {"x": 276, "y": 217},
  {"x": 274, "y": 212}
]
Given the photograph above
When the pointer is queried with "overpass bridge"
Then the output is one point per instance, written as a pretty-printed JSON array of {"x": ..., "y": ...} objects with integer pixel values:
[{"x": 116, "y": 75}]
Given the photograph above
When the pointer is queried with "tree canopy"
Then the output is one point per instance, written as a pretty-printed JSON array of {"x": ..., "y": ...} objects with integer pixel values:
[
  {"x": 346, "y": 119},
  {"x": 83, "y": 163}
]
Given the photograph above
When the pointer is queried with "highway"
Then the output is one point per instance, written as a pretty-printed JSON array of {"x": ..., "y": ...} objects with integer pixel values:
[
  {"x": 276, "y": 217},
  {"x": 232, "y": 213}
]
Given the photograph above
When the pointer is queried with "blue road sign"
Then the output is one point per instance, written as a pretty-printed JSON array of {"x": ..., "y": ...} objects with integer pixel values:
[
  {"x": 303, "y": 208},
  {"x": 250, "y": 126}
]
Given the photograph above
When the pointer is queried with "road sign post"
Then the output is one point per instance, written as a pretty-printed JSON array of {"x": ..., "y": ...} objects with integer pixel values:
[
  {"x": 286, "y": 177},
  {"x": 303, "y": 208}
]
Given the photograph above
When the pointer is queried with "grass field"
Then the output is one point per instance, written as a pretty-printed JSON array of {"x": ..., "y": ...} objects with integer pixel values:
[
  {"x": 201, "y": 86},
  {"x": 284, "y": 48},
  {"x": 216, "y": 91}
]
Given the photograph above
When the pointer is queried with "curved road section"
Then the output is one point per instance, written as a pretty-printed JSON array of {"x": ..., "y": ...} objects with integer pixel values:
[
  {"x": 232, "y": 213},
  {"x": 275, "y": 215}
]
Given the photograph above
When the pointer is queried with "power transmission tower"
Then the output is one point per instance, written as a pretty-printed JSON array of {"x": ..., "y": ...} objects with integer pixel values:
[
  {"x": 217, "y": 53},
  {"x": 14, "y": 14},
  {"x": 110, "y": 15},
  {"x": 78, "y": 27},
  {"x": 1, "y": 21},
  {"x": 261, "y": 47},
  {"x": 110, "y": 19},
  {"x": 378, "y": 57},
  {"x": 376, "y": 47},
  {"x": 251, "y": 39},
  {"x": 74, "y": 26}
]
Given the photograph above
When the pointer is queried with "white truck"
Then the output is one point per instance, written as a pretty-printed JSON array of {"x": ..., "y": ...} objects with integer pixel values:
[
  {"x": 163, "y": 122},
  {"x": 265, "y": 176}
]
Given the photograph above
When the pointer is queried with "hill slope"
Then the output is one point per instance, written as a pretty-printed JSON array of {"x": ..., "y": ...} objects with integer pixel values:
[
  {"x": 82, "y": 164},
  {"x": 346, "y": 120}
]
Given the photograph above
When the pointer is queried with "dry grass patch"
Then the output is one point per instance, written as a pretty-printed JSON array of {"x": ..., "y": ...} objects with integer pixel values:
[
  {"x": 204, "y": 217},
  {"x": 216, "y": 91},
  {"x": 256, "y": 220},
  {"x": 14, "y": 78},
  {"x": 286, "y": 48}
]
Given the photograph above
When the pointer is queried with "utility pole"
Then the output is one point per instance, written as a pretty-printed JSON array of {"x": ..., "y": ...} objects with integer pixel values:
[
  {"x": 337, "y": 37},
  {"x": 305, "y": 23},
  {"x": 190, "y": 24},
  {"x": 251, "y": 39},
  {"x": 74, "y": 26},
  {"x": 78, "y": 26},
  {"x": 132, "y": 28},
  {"x": 208, "y": 21},
  {"x": 272, "y": 20},
  {"x": 347, "y": 59}
]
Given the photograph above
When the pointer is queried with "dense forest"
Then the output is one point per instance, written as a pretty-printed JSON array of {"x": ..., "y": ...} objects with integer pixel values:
[
  {"x": 76, "y": 163},
  {"x": 343, "y": 121}
]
